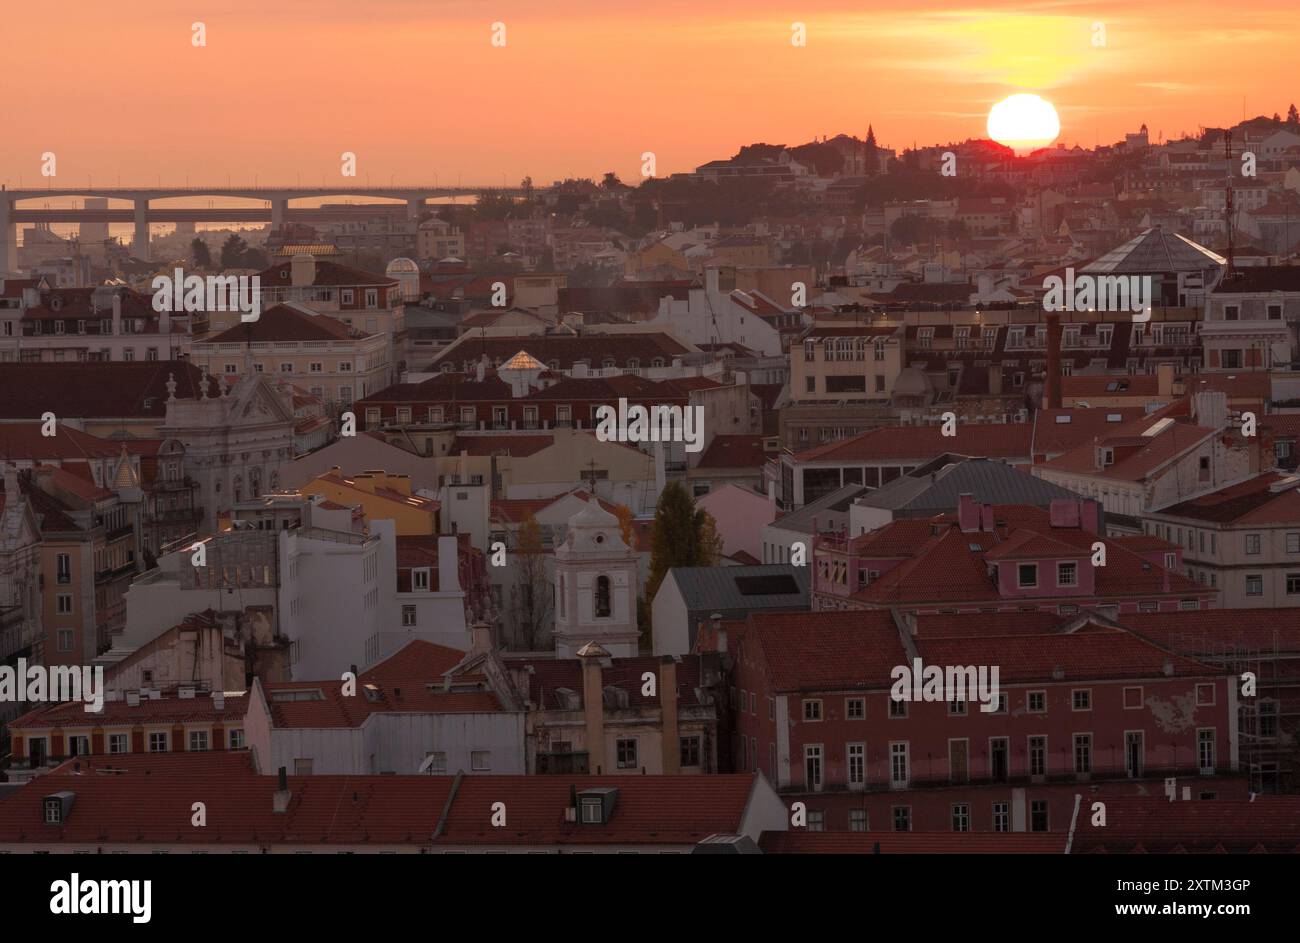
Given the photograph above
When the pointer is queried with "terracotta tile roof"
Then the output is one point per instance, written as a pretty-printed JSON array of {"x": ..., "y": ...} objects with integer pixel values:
[
  {"x": 734, "y": 451},
  {"x": 824, "y": 650},
  {"x": 22, "y": 441},
  {"x": 170, "y": 709},
  {"x": 94, "y": 389},
  {"x": 803, "y": 842},
  {"x": 902, "y": 443},
  {"x": 1060, "y": 430},
  {"x": 1152, "y": 452},
  {"x": 148, "y": 801},
  {"x": 1197, "y": 825},
  {"x": 285, "y": 323},
  {"x": 1248, "y": 502},
  {"x": 1209, "y": 632},
  {"x": 394, "y": 695},
  {"x": 415, "y": 659}
]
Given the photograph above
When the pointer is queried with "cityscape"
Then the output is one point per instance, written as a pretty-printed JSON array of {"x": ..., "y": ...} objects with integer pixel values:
[{"x": 922, "y": 484}]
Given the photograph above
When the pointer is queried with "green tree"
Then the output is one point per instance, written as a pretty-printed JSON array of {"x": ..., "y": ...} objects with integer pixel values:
[
  {"x": 683, "y": 535},
  {"x": 872, "y": 153},
  {"x": 1292, "y": 116},
  {"x": 233, "y": 251},
  {"x": 202, "y": 256},
  {"x": 532, "y": 595}
]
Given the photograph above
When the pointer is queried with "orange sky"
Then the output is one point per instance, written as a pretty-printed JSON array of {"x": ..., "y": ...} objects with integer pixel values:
[{"x": 415, "y": 88}]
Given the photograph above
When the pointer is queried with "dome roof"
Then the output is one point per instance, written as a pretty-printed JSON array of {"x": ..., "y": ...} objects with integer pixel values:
[
  {"x": 523, "y": 361},
  {"x": 912, "y": 381},
  {"x": 401, "y": 265}
]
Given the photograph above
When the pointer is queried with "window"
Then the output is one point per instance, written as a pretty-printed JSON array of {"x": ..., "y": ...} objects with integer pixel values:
[
  {"x": 627, "y": 758},
  {"x": 857, "y": 820},
  {"x": 1067, "y": 574},
  {"x": 902, "y": 818},
  {"x": 1205, "y": 695},
  {"x": 78, "y": 745},
  {"x": 961, "y": 817},
  {"x": 1081, "y": 699},
  {"x": 302, "y": 766},
  {"x": 117, "y": 742},
  {"x": 286, "y": 368},
  {"x": 897, "y": 709},
  {"x": 408, "y": 615},
  {"x": 855, "y": 708},
  {"x": 420, "y": 580},
  {"x": 1037, "y": 756},
  {"x": 1205, "y": 750},
  {"x": 67, "y": 640},
  {"x": 957, "y": 707},
  {"x": 64, "y": 568},
  {"x": 857, "y": 758},
  {"x": 812, "y": 762},
  {"x": 1133, "y": 699},
  {"x": 690, "y": 751},
  {"x": 1292, "y": 584},
  {"x": 1231, "y": 359},
  {"x": 1038, "y": 815},
  {"x": 1001, "y": 816},
  {"x": 816, "y": 820},
  {"x": 812, "y": 710},
  {"x": 898, "y": 765},
  {"x": 1254, "y": 584},
  {"x": 810, "y": 384},
  {"x": 198, "y": 741},
  {"x": 64, "y": 604},
  {"x": 236, "y": 739},
  {"x": 1083, "y": 753},
  {"x": 602, "y": 597},
  {"x": 1036, "y": 702},
  {"x": 1268, "y": 712},
  {"x": 158, "y": 742},
  {"x": 434, "y": 763},
  {"x": 481, "y": 760},
  {"x": 1027, "y": 574},
  {"x": 1252, "y": 543}
]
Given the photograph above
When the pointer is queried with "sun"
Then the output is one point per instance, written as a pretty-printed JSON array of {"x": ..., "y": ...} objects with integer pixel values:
[{"x": 1024, "y": 122}]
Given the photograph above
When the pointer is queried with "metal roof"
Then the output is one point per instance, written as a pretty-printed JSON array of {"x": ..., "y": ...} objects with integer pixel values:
[
  {"x": 715, "y": 588},
  {"x": 831, "y": 511},
  {"x": 986, "y": 481},
  {"x": 1156, "y": 252}
]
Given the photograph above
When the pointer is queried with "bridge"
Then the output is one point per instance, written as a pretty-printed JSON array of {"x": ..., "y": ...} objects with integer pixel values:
[{"x": 272, "y": 206}]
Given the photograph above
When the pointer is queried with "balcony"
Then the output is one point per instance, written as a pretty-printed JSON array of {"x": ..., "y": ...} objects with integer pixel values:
[{"x": 1186, "y": 775}]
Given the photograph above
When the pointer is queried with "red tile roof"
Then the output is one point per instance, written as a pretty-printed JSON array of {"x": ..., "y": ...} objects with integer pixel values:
[
  {"x": 1248, "y": 502},
  {"x": 394, "y": 695},
  {"x": 734, "y": 451},
  {"x": 285, "y": 323},
  {"x": 148, "y": 800},
  {"x": 171, "y": 709},
  {"x": 415, "y": 659},
  {"x": 94, "y": 389},
  {"x": 803, "y": 842},
  {"x": 918, "y": 443},
  {"x": 1269, "y": 823}
]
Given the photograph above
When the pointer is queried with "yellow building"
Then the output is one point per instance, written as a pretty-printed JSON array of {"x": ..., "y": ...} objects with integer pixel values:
[{"x": 382, "y": 496}]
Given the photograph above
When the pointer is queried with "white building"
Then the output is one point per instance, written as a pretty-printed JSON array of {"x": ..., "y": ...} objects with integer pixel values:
[
  {"x": 595, "y": 586},
  {"x": 712, "y": 316}
]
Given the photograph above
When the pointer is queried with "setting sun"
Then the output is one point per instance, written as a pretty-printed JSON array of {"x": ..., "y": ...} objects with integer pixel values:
[{"x": 1024, "y": 122}]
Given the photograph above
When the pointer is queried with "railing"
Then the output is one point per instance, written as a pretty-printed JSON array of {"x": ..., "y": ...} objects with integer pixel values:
[{"x": 1185, "y": 775}]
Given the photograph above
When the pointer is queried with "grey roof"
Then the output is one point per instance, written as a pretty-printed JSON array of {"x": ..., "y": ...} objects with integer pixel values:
[
  {"x": 936, "y": 487},
  {"x": 830, "y": 511},
  {"x": 714, "y": 588},
  {"x": 417, "y": 316},
  {"x": 1156, "y": 252}
]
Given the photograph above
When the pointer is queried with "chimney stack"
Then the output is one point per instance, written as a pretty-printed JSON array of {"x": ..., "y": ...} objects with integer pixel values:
[
  {"x": 968, "y": 513},
  {"x": 593, "y": 705},
  {"x": 302, "y": 270},
  {"x": 117, "y": 314},
  {"x": 448, "y": 564},
  {"x": 480, "y": 638},
  {"x": 668, "y": 712},
  {"x": 1053, "y": 361}
]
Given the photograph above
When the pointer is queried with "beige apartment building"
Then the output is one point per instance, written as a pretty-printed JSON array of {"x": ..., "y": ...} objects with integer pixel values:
[
  {"x": 1243, "y": 540},
  {"x": 337, "y": 363}
]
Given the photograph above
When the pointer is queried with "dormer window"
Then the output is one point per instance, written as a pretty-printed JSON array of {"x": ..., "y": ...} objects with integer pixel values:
[
  {"x": 1105, "y": 457},
  {"x": 1067, "y": 574},
  {"x": 1027, "y": 575}
]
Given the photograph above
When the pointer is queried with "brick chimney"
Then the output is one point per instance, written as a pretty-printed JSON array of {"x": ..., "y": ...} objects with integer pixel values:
[
  {"x": 968, "y": 514},
  {"x": 1053, "y": 385},
  {"x": 593, "y": 705},
  {"x": 668, "y": 710}
]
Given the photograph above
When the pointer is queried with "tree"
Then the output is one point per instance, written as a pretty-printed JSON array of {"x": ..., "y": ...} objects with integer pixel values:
[
  {"x": 1292, "y": 116},
  {"x": 532, "y": 596},
  {"x": 233, "y": 250},
  {"x": 202, "y": 256},
  {"x": 683, "y": 535},
  {"x": 872, "y": 153}
]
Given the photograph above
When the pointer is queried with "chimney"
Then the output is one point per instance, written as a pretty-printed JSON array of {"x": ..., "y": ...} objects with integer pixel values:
[
  {"x": 995, "y": 380},
  {"x": 1090, "y": 516},
  {"x": 117, "y": 314},
  {"x": 986, "y": 518},
  {"x": 1053, "y": 361},
  {"x": 302, "y": 270},
  {"x": 1165, "y": 380},
  {"x": 448, "y": 564},
  {"x": 480, "y": 638},
  {"x": 668, "y": 708},
  {"x": 968, "y": 513},
  {"x": 593, "y": 705},
  {"x": 280, "y": 801},
  {"x": 219, "y": 700},
  {"x": 711, "y": 281}
]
